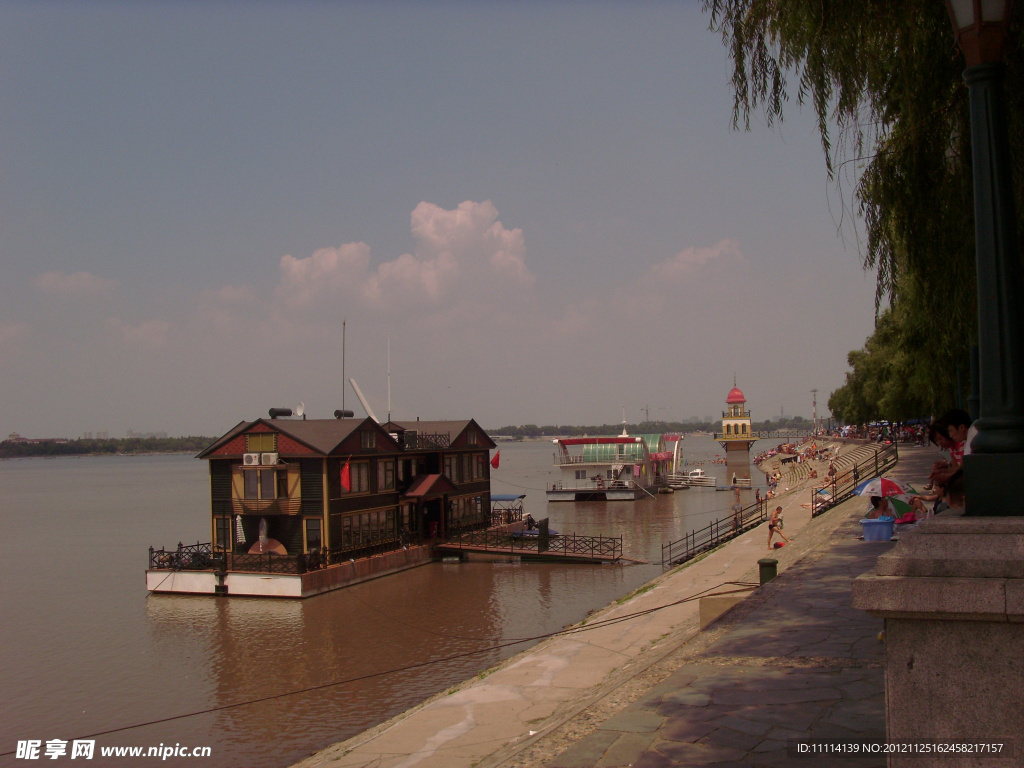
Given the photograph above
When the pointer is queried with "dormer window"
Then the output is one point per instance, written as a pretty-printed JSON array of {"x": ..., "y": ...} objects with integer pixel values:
[{"x": 261, "y": 442}]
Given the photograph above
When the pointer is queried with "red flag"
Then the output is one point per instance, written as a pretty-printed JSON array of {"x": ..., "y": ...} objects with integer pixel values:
[
  {"x": 346, "y": 476},
  {"x": 496, "y": 459}
]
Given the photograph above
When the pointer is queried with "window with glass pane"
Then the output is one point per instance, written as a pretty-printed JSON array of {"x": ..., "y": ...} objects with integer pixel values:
[
  {"x": 386, "y": 475},
  {"x": 223, "y": 532},
  {"x": 368, "y": 439},
  {"x": 312, "y": 533},
  {"x": 268, "y": 484},
  {"x": 260, "y": 442},
  {"x": 251, "y": 483}
]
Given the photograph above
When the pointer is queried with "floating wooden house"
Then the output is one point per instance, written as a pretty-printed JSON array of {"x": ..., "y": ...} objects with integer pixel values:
[{"x": 300, "y": 507}]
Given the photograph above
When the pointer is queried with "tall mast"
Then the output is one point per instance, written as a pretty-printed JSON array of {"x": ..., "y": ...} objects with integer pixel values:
[{"x": 343, "y": 364}]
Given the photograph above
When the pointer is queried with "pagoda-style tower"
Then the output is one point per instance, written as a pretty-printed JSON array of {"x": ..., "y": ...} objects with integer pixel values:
[{"x": 737, "y": 435}]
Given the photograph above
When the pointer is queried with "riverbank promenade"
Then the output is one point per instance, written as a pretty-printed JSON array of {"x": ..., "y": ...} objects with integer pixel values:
[{"x": 791, "y": 661}]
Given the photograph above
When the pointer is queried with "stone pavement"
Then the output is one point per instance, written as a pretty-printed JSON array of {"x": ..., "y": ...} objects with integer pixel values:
[{"x": 793, "y": 661}]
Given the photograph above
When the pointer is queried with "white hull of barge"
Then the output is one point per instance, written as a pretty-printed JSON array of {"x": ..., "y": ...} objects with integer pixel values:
[{"x": 597, "y": 494}]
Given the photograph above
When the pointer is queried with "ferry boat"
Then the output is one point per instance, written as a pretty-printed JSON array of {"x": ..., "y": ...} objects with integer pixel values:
[{"x": 623, "y": 468}]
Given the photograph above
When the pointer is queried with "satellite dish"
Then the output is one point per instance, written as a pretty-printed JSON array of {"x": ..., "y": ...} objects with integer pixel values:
[{"x": 300, "y": 410}]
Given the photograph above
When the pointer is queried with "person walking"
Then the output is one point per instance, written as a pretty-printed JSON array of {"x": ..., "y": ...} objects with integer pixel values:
[{"x": 775, "y": 526}]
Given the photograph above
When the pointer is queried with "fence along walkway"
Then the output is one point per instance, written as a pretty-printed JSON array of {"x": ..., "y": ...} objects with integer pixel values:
[
  {"x": 840, "y": 488},
  {"x": 594, "y": 549}
]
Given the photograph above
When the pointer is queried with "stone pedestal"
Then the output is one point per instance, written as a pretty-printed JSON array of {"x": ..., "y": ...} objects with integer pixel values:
[{"x": 952, "y": 596}]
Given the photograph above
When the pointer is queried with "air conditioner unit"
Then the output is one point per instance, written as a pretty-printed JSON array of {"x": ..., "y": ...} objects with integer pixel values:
[
  {"x": 251, "y": 459},
  {"x": 269, "y": 459}
]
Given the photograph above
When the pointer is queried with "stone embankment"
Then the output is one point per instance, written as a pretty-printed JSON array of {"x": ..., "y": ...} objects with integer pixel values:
[{"x": 791, "y": 660}]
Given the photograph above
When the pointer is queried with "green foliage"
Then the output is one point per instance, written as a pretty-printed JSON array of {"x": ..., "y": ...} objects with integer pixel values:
[
  {"x": 133, "y": 445},
  {"x": 885, "y": 82}
]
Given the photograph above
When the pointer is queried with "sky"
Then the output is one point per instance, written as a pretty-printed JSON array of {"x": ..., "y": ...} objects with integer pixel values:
[{"x": 530, "y": 212}]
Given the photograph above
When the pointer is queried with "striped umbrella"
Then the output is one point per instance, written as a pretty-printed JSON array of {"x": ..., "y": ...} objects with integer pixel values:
[{"x": 882, "y": 486}]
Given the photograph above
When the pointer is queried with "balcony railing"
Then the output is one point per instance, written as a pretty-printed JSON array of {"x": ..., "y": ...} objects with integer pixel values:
[
  {"x": 413, "y": 441},
  {"x": 202, "y": 557},
  {"x": 282, "y": 506},
  {"x": 590, "y": 485}
]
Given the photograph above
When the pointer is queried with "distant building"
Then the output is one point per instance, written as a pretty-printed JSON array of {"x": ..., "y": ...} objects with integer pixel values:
[
  {"x": 737, "y": 435},
  {"x": 102, "y": 435},
  {"x": 87, "y": 435}
]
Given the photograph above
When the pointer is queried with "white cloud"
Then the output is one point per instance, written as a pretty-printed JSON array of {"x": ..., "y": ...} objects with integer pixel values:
[
  {"x": 74, "y": 284},
  {"x": 684, "y": 263},
  {"x": 466, "y": 250},
  {"x": 329, "y": 271},
  {"x": 147, "y": 336}
]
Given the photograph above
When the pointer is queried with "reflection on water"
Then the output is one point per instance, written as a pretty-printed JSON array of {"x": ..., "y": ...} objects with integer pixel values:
[{"x": 88, "y": 650}]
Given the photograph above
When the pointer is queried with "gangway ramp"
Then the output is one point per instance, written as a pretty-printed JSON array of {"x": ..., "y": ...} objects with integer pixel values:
[{"x": 528, "y": 545}]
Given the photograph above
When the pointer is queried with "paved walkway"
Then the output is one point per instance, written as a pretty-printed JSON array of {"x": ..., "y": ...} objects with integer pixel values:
[
  {"x": 794, "y": 661},
  {"x": 791, "y": 660}
]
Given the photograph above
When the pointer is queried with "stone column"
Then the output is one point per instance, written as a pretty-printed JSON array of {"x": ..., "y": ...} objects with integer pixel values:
[{"x": 952, "y": 596}]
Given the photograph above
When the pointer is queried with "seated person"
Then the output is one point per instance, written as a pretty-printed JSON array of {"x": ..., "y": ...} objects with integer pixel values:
[
  {"x": 954, "y": 496},
  {"x": 879, "y": 507}
]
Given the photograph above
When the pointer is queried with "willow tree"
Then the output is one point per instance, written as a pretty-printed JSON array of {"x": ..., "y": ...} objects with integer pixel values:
[{"x": 884, "y": 81}]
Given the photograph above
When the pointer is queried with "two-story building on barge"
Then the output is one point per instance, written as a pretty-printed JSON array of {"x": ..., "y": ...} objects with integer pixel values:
[{"x": 300, "y": 507}]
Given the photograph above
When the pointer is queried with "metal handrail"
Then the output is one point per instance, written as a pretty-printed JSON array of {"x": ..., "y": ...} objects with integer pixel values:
[
  {"x": 842, "y": 489},
  {"x": 714, "y": 533},
  {"x": 725, "y": 528},
  {"x": 609, "y": 546}
]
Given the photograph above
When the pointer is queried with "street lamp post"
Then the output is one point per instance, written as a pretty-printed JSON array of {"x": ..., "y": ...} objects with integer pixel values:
[{"x": 996, "y": 461}]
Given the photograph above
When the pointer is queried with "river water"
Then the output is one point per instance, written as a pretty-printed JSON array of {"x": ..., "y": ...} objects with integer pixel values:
[{"x": 86, "y": 650}]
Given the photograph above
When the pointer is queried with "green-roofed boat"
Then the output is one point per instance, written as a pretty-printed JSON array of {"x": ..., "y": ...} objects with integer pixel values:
[{"x": 622, "y": 468}]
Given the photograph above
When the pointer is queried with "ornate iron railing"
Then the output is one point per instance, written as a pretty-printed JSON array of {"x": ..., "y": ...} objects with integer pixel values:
[
  {"x": 193, "y": 557},
  {"x": 414, "y": 441},
  {"x": 202, "y": 557},
  {"x": 606, "y": 547}
]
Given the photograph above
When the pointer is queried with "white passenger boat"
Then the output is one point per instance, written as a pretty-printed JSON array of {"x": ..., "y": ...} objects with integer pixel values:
[
  {"x": 701, "y": 478},
  {"x": 622, "y": 468}
]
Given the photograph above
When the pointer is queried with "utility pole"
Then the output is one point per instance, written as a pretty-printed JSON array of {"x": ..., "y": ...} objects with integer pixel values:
[{"x": 814, "y": 406}]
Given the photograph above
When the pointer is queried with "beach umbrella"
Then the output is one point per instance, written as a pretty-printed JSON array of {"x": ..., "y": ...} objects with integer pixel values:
[{"x": 882, "y": 486}]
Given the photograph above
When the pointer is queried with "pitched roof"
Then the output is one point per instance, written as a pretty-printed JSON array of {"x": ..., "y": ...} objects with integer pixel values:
[
  {"x": 429, "y": 487},
  {"x": 320, "y": 435}
]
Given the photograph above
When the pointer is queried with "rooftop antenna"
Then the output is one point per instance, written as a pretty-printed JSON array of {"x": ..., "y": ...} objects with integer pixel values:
[
  {"x": 389, "y": 378},
  {"x": 624, "y": 422},
  {"x": 300, "y": 411}
]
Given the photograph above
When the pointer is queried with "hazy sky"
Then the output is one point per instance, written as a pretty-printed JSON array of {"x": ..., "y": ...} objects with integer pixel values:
[{"x": 542, "y": 205}]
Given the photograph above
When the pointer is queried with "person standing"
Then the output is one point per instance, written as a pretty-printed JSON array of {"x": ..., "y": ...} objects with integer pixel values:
[{"x": 775, "y": 526}]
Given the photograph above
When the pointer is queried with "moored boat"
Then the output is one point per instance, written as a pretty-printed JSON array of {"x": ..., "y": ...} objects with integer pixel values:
[{"x": 622, "y": 468}]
